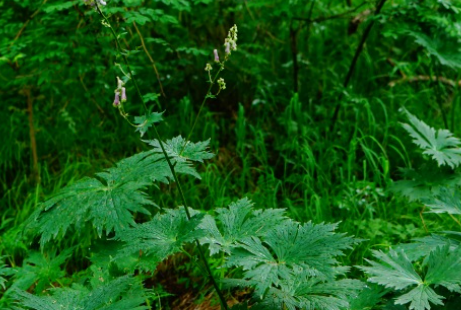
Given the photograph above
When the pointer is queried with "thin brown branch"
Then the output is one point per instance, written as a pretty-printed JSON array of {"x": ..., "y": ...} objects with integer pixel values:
[
  {"x": 421, "y": 78},
  {"x": 150, "y": 58},
  {"x": 33, "y": 142},
  {"x": 26, "y": 23},
  {"x": 335, "y": 16}
]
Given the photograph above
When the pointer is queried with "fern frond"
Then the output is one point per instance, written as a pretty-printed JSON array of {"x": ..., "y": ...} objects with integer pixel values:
[
  {"x": 441, "y": 145},
  {"x": 238, "y": 222},
  {"x": 164, "y": 235}
]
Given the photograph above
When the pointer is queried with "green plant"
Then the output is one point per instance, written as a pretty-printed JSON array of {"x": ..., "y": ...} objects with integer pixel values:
[{"x": 418, "y": 270}]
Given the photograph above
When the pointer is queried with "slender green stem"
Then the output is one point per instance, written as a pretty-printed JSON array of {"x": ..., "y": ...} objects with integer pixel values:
[
  {"x": 125, "y": 60},
  {"x": 208, "y": 93},
  {"x": 170, "y": 165}
]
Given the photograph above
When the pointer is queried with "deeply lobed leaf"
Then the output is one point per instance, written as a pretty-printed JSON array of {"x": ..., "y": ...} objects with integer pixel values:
[{"x": 441, "y": 145}]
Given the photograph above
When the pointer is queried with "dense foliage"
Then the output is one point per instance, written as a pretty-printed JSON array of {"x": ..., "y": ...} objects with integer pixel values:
[{"x": 246, "y": 154}]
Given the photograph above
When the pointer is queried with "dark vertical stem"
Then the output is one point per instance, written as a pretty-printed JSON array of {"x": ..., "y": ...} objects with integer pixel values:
[
  {"x": 170, "y": 165},
  {"x": 33, "y": 142},
  {"x": 354, "y": 62},
  {"x": 294, "y": 55}
]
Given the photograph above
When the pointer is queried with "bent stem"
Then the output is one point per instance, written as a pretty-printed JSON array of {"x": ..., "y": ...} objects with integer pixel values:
[
  {"x": 358, "y": 51},
  {"x": 170, "y": 165},
  {"x": 208, "y": 95}
]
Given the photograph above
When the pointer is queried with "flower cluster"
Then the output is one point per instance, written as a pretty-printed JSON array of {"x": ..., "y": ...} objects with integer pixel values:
[
  {"x": 231, "y": 41},
  {"x": 230, "y": 44},
  {"x": 119, "y": 91},
  {"x": 92, "y": 2},
  {"x": 222, "y": 84}
]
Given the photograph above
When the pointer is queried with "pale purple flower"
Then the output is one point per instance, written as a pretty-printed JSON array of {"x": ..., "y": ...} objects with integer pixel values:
[
  {"x": 117, "y": 100},
  {"x": 227, "y": 44},
  {"x": 123, "y": 94},
  {"x": 216, "y": 55}
]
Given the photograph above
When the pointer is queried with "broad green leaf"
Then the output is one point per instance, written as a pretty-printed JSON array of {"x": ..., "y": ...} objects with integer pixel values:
[
  {"x": 445, "y": 268},
  {"x": 421, "y": 247},
  {"x": 300, "y": 291},
  {"x": 394, "y": 270},
  {"x": 238, "y": 222},
  {"x": 164, "y": 235},
  {"x": 287, "y": 247},
  {"x": 144, "y": 122},
  {"x": 441, "y": 145},
  {"x": 419, "y": 298},
  {"x": 180, "y": 150},
  {"x": 121, "y": 293},
  {"x": 446, "y": 50},
  {"x": 39, "y": 270},
  {"x": 107, "y": 202},
  {"x": 425, "y": 182},
  {"x": 446, "y": 202}
]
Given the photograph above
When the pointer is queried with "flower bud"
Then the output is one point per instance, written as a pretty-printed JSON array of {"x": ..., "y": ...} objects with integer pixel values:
[
  {"x": 123, "y": 94},
  {"x": 227, "y": 45},
  {"x": 221, "y": 83},
  {"x": 117, "y": 99},
  {"x": 216, "y": 55}
]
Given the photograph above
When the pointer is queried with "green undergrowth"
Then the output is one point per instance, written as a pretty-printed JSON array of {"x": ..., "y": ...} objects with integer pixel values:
[{"x": 302, "y": 180}]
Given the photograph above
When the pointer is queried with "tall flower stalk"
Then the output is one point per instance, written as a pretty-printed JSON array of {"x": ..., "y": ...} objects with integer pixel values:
[
  {"x": 122, "y": 93},
  {"x": 230, "y": 44}
]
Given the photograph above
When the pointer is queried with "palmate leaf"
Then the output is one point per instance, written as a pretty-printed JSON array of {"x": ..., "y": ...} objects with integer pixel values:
[
  {"x": 421, "y": 247},
  {"x": 121, "y": 293},
  {"x": 425, "y": 182},
  {"x": 367, "y": 298},
  {"x": 39, "y": 270},
  {"x": 144, "y": 122},
  {"x": 181, "y": 150},
  {"x": 236, "y": 223},
  {"x": 445, "y": 268},
  {"x": 393, "y": 271},
  {"x": 441, "y": 145},
  {"x": 300, "y": 291},
  {"x": 396, "y": 271},
  {"x": 164, "y": 235},
  {"x": 419, "y": 298},
  {"x": 287, "y": 247},
  {"x": 108, "y": 200},
  {"x": 445, "y": 49},
  {"x": 447, "y": 201}
]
